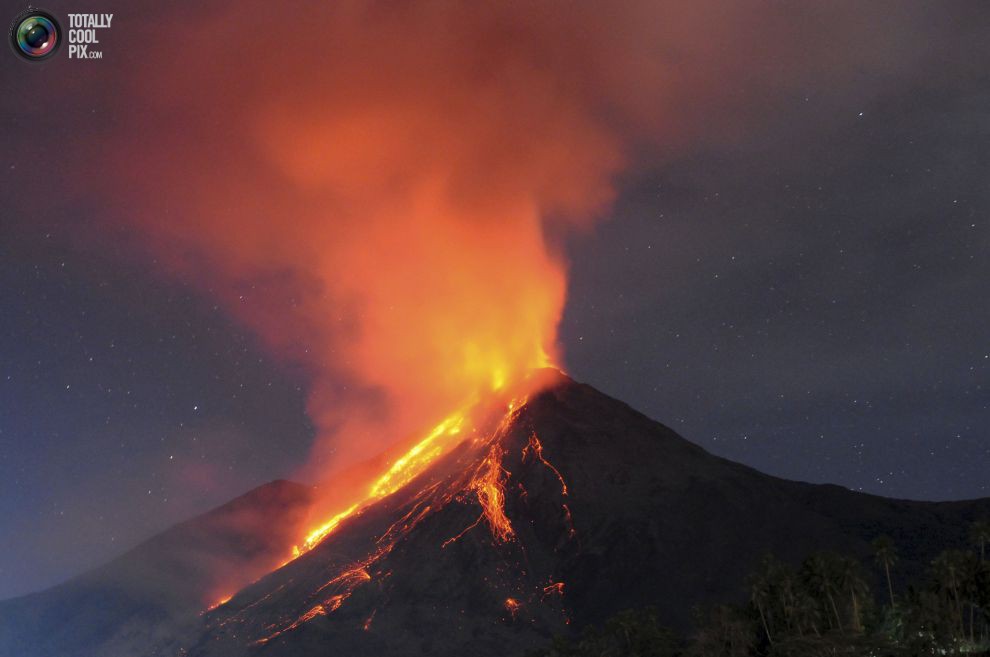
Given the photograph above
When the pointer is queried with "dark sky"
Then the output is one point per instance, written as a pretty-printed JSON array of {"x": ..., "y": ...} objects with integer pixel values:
[{"x": 809, "y": 298}]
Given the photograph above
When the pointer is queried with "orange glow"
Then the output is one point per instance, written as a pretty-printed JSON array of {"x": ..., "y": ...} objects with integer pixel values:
[
  {"x": 404, "y": 469},
  {"x": 487, "y": 482},
  {"x": 333, "y": 604},
  {"x": 490, "y": 487},
  {"x": 348, "y": 580},
  {"x": 320, "y": 532},
  {"x": 318, "y": 610},
  {"x": 536, "y": 448},
  {"x": 394, "y": 240},
  {"x": 413, "y": 462},
  {"x": 367, "y": 621},
  {"x": 416, "y": 459},
  {"x": 220, "y": 602},
  {"x": 479, "y": 476}
]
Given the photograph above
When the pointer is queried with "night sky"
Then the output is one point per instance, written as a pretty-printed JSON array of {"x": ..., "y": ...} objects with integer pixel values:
[{"x": 807, "y": 296}]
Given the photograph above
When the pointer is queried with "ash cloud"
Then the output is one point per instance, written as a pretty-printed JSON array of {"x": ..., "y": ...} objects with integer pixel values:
[{"x": 379, "y": 190}]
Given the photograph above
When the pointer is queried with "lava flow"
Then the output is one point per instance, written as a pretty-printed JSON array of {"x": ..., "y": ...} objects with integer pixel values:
[
  {"x": 403, "y": 470},
  {"x": 487, "y": 482},
  {"x": 478, "y": 475}
]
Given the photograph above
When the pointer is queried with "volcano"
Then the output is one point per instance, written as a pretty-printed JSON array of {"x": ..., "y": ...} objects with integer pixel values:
[{"x": 563, "y": 511}]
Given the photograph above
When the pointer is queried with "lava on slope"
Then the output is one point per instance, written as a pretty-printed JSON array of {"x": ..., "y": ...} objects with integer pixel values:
[{"x": 463, "y": 503}]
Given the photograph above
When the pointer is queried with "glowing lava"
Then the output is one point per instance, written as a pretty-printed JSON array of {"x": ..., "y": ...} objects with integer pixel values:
[
  {"x": 444, "y": 436},
  {"x": 221, "y": 601},
  {"x": 479, "y": 475},
  {"x": 487, "y": 481},
  {"x": 489, "y": 484},
  {"x": 416, "y": 459},
  {"x": 320, "y": 532}
]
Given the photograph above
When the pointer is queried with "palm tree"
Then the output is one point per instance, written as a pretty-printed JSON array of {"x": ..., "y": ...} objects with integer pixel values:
[
  {"x": 769, "y": 591},
  {"x": 970, "y": 590},
  {"x": 886, "y": 556},
  {"x": 850, "y": 581},
  {"x": 785, "y": 593},
  {"x": 723, "y": 632},
  {"x": 979, "y": 533},
  {"x": 760, "y": 596},
  {"x": 807, "y": 613},
  {"x": 948, "y": 570},
  {"x": 819, "y": 574}
]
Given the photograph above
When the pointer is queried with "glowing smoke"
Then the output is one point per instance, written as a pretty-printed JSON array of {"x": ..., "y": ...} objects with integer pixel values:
[{"x": 369, "y": 186}]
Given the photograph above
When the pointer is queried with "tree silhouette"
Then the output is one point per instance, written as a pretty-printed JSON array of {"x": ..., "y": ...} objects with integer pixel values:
[
  {"x": 849, "y": 581},
  {"x": 722, "y": 632},
  {"x": 948, "y": 570},
  {"x": 761, "y": 585},
  {"x": 818, "y": 573},
  {"x": 979, "y": 533},
  {"x": 886, "y": 556},
  {"x": 821, "y": 610}
]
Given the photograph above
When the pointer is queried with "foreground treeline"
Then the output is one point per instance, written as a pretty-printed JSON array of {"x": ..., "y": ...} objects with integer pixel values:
[{"x": 824, "y": 607}]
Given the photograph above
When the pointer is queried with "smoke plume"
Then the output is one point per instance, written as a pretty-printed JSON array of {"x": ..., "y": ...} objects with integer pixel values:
[{"x": 370, "y": 187}]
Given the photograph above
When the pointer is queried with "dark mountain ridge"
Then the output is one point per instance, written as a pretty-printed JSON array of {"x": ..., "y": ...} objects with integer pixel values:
[
  {"x": 571, "y": 508},
  {"x": 160, "y": 585}
]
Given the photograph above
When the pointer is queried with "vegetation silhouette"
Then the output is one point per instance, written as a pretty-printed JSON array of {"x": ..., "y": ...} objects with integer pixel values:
[{"x": 824, "y": 607}]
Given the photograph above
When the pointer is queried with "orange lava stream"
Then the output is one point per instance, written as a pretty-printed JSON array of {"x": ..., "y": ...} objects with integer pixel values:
[
  {"x": 490, "y": 487},
  {"x": 444, "y": 436},
  {"x": 349, "y": 580},
  {"x": 318, "y": 610},
  {"x": 486, "y": 480},
  {"x": 221, "y": 601},
  {"x": 343, "y": 585},
  {"x": 536, "y": 447},
  {"x": 416, "y": 459}
]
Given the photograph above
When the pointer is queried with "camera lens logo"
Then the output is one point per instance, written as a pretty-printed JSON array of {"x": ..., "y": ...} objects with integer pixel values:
[{"x": 35, "y": 35}]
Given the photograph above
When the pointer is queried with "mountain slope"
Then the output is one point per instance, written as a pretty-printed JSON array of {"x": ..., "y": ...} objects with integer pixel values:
[
  {"x": 144, "y": 596},
  {"x": 573, "y": 508}
]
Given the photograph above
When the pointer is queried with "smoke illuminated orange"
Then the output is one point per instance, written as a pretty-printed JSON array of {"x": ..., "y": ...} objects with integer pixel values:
[{"x": 394, "y": 235}]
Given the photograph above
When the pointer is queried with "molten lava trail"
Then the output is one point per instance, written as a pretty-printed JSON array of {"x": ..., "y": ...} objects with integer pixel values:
[
  {"x": 438, "y": 442},
  {"x": 482, "y": 482},
  {"x": 486, "y": 481}
]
